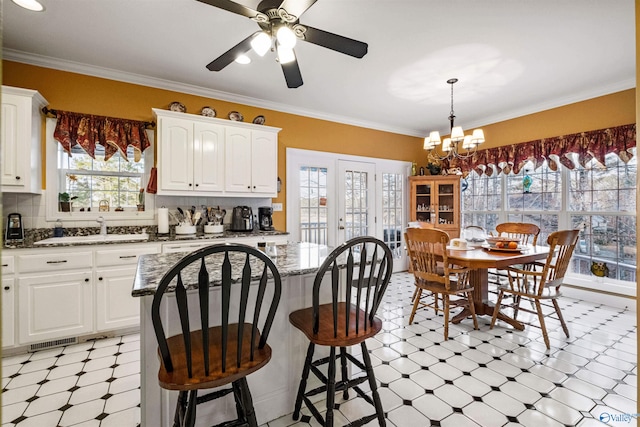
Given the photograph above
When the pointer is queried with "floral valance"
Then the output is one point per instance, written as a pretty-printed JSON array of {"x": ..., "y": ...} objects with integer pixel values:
[
  {"x": 586, "y": 145},
  {"x": 115, "y": 135}
]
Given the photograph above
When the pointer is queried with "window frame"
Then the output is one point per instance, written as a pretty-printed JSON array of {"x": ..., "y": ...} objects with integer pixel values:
[{"x": 52, "y": 186}]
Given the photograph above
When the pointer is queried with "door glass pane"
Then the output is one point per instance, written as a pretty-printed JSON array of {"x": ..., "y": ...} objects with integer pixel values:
[
  {"x": 392, "y": 212},
  {"x": 313, "y": 205},
  {"x": 356, "y": 215}
]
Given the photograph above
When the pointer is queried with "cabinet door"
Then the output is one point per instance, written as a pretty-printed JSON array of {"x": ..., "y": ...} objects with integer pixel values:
[
  {"x": 54, "y": 306},
  {"x": 175, "y": 154},
  {"x": 423, "y": 203},
  {"x": 115, "y": 307},
  {"x": 208, "y": 157},
  {"x": 238, "y": 160},
  {"x": 264, "y": 162},
  {"x": 448, "y": 201},
  {"x": 15, "y": 128},
  {"x": 8, "y": 312}
]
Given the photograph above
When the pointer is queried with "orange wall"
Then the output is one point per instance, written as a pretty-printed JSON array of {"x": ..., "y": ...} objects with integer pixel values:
[
  {"x": 598, "y": 113},
  {"x": 92, "y": 95}
]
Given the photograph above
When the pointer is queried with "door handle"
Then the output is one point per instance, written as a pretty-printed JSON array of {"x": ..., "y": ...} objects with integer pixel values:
[{"x": 340, "y": 227}]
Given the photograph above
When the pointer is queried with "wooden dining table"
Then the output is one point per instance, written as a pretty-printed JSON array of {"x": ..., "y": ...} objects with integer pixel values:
[{"x": 480, "y": 260}]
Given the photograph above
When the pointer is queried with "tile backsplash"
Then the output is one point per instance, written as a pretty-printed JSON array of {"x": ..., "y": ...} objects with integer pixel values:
[{"x": 33, "y": 210}]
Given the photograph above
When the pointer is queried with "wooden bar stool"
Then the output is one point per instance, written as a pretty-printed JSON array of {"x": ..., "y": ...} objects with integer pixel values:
[
  {"x": 356, "y": 293},
  {"x": 205, "y": 356}
]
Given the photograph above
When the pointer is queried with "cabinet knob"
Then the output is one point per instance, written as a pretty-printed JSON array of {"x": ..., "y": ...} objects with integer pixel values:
[
  {"x": 249, "y": 187},
  {"x": 197, "y": 185},
  {"x": 190, "y": 184},
  {"x": 18, "y": 178},
  {"x": 99, "y": 278},
  {"x": 254, "y": 187},
  {"x": 86, "y": 280},
  {"x": 7, "y": 288}
]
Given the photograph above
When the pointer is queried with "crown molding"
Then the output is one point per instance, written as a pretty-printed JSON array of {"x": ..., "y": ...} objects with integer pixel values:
[{"x": 142, "y": 80}]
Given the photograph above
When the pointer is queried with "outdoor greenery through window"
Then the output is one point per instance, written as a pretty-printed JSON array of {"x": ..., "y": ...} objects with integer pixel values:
[
  {"x": 599, "y": 200},
  {"x": 93, "y": 181}
]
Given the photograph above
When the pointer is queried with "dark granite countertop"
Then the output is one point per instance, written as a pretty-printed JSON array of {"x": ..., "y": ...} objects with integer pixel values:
[
  {"x": 35, "y": 235},
  {"x": 292, "y": 259}
]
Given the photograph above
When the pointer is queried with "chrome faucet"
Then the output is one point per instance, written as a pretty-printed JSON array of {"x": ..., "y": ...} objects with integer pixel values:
[{"x": 103, "y": 225}]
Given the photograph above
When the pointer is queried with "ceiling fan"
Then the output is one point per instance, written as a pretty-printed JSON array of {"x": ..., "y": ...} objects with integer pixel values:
[{"x": 279, "y": 30}]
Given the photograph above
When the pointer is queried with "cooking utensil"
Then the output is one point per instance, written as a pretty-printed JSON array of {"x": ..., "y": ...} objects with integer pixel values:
[{"x": 196, "y": 218}]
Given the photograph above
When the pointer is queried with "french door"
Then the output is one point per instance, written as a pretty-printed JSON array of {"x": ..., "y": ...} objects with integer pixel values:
[{"x": 332, "y": 198}]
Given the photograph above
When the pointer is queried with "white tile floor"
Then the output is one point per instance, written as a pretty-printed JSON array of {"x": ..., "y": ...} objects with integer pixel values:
[{"x": 485, "y": 378}]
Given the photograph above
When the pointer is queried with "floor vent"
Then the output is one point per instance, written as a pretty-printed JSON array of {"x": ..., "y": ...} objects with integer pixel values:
[{"x": 51, "y": 344}]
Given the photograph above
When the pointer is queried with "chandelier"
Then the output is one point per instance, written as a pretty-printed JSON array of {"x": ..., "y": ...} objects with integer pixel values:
[{"x": 457, "y": 141}]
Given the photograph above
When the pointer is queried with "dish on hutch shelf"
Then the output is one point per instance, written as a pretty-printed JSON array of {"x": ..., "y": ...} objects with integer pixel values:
[
  {"x": 177, "y": 106},
  {"x": 208, "y": 112},
  {"x": 235, "y": 116},
  {"x": 259, "y": 120}
]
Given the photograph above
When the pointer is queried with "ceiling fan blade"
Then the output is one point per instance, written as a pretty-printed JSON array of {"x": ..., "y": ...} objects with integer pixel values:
[
  {"x": 333, "y": 41},
  {"x": 292, "y": 74},
  {"x": 233, "y": 7},
  {"x": 229, "y": 56},
  {"x": 295, "y": 8}
]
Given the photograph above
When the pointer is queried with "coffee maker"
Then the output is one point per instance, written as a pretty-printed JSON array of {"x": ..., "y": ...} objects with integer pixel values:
[
  {"x": 14, "y": 232},
  {"x": 265, "y": 218}
]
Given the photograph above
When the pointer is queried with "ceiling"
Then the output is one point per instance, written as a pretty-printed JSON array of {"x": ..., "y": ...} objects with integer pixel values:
[{"x": 512, "y": 57}]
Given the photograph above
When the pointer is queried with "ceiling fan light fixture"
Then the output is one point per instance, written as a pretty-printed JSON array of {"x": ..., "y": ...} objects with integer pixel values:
[
  {"x": 243, "y": 59},
  {"x": 286, "y": 37},
  {"x": 285, "y": 55},
  {"x": 33, "y": 5},
  {"x": 261, "y": 43}
]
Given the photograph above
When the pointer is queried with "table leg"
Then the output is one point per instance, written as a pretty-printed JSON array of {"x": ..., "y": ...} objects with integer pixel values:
[{"x": 479, "y": 278}]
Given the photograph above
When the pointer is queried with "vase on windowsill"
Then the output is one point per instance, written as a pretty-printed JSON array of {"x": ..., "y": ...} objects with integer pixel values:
[
  {"x": 140, "y": 208},
  {"x": 65, "y": 206}
]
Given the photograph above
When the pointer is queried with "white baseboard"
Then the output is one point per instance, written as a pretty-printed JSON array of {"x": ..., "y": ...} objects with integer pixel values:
[{"x": 612, "y": 300}]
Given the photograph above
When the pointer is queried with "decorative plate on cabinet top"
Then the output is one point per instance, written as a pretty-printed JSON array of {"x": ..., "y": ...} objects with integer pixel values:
[
  {"x": 235, "y": 116},
  {"x": 177, "y": 106},
  {"x": 259, "y": 120},
  {"x": 208, "y": 112}
]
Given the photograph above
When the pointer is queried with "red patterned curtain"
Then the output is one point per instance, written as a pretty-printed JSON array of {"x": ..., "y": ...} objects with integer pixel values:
[
  {"x": 113, "y": 134},
  {"x": 587, "y": 145}
]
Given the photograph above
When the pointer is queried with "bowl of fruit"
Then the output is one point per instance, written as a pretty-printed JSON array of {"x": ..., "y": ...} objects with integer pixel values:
[{"x": 503, "y": 243}]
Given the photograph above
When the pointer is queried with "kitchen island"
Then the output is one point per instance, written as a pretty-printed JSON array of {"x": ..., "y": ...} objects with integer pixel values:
[{"x": 274, "y": 387}]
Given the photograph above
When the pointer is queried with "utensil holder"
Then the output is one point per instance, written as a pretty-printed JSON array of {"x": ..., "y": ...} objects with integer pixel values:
[
  {"x": 185, "y": 229},
  {"x": 210, "y": 228}
]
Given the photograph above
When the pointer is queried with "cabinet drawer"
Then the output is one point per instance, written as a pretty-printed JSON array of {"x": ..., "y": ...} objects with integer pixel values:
[
  {"x": 55, "y": 261},
  {"x": 8, "y": 264},
  {"x": 187, "y": 247},
  {"x": 123, "y": 256}
]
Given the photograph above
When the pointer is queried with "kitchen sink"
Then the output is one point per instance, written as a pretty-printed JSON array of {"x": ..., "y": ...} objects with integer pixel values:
[{"x": 94, "y": 238}]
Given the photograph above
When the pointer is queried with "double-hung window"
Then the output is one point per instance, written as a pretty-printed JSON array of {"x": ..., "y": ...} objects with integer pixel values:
[{"x": 97, "y": 187}]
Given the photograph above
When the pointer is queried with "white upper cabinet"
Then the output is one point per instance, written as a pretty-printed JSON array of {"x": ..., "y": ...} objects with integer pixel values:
[
  {"x": 20, "y": 138},
  {"x": 213, "y": 157},
  {"x": 190, "y": 156}
]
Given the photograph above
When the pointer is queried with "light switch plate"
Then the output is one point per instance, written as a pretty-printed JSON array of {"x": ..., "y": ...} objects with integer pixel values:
[{"x": 277, "y": 207}]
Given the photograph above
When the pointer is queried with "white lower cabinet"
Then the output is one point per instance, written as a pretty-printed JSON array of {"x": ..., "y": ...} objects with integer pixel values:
[
  {"x": 8, "y": 311},
  {"x": 54, "y": 306},
  {"x": 69, "y": 292},
  {"x": 115, "y": 307}
]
